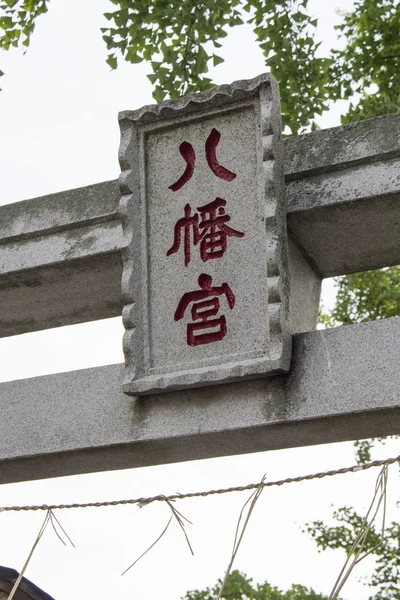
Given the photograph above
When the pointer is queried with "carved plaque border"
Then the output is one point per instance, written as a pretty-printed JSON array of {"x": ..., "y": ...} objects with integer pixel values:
[{"x": 261, "y": 92}]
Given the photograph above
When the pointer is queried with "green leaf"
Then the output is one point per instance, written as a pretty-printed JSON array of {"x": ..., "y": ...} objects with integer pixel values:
[
  {"x": 217, "y": 60},
  {"x": 133, "y": 57},
  {"x": 112, "y": 61},
  {"x": 159, "y": 94},
  {"x": 152, "y": 77},
  {"x": 6, "y": 22}
]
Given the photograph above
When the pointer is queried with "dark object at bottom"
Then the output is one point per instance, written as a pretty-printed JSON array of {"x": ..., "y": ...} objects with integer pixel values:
[{"x": 26, "y": 589}]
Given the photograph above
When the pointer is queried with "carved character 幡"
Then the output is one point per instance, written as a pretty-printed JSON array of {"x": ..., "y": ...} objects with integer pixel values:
[
  {"x": 207, "y": 327},
  {"x": 212, "y": 231}
]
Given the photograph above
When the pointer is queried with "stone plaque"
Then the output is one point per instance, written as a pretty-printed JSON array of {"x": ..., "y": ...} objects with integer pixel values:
[{"x": 205, "y": 284}]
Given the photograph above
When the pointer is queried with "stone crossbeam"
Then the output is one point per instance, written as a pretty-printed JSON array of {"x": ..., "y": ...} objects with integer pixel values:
[
  {"x": 60, "y": 254},
  {"x": 344, "y": 384}
]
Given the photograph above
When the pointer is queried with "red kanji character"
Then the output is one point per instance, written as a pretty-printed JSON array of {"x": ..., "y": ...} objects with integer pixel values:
[
  {"x": 214, "y": 231},
  {"x": 203, "y": 311},
  {"x": 188, "y": 153},
  {"x": 187, "y": 222},
  {"x": 211, "y": 149}
]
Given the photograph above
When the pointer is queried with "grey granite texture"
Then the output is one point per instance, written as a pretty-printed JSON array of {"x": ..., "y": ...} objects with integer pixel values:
[
  {"x": 343, "y": 194},
  {"x": 305, "y": 291},
  {"x": 245, "y": 333},
  {"x": 344, "y": 384},
  {"x": 60, "y": 255},
  {"x": 60, "y": 259}
]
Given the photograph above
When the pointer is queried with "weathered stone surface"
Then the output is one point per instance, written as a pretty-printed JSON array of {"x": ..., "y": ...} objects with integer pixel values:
[
  {"x": 338, "y": 223},
  {"x": 63, "y": 211},
  {"x": 305, "y": 292},
  {"x": 338, "y": 148},
  {"x": 351, "y": 220},
  {"x": 204, "y": 302},
  {"x": 343, "y": 194},
  {"x": 60, "y": 259},
  {"x": 344, "y": 384}
]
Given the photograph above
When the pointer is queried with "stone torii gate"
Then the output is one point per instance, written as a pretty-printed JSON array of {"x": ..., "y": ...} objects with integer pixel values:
[{"x": 61, "y": 264}]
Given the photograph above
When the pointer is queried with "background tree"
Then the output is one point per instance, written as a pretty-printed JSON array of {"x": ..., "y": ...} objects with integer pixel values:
[
  {"x": 180, "y": 39},
  {"x": 240, "y": 587},
  {"x": 367, "y": 296},
  {"x": 385, "y": 579}
]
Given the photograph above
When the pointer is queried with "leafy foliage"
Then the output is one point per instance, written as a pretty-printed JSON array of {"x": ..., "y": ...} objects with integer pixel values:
[
  {"x": 363, "y": 449},
  {"x": 17, "y": 22},
  {"x": 172, "y": 35},
  {"x": 367, "y": 296},
  {"x": 240, "y": 587},
  {"x": 181, "y": 39},
  {"x": 386, "y": 577},
  {"x": 369, "y": 65},
  {"x": 285, "y": 32}
]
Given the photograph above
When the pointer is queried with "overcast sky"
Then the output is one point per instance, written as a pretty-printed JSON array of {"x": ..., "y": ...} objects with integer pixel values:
[{"x": 59, "y": 130}]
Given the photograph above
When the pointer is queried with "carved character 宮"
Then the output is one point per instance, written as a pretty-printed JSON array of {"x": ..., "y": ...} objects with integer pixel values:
[{"x": 207, "y": 326}]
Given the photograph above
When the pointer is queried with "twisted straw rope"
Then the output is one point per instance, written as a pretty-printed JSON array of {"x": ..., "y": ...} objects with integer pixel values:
[{"x": 177, "y": 496}]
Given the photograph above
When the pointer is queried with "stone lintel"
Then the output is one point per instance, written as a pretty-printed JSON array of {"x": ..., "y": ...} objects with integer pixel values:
[
  {"x": 61, "y": 254},
  {"x": 81, "y": 422},
  {"x": 343, "y": 194}
]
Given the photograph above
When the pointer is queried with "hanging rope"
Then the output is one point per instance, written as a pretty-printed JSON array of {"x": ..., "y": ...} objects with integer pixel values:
[{"x": 251, "y": 486}]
